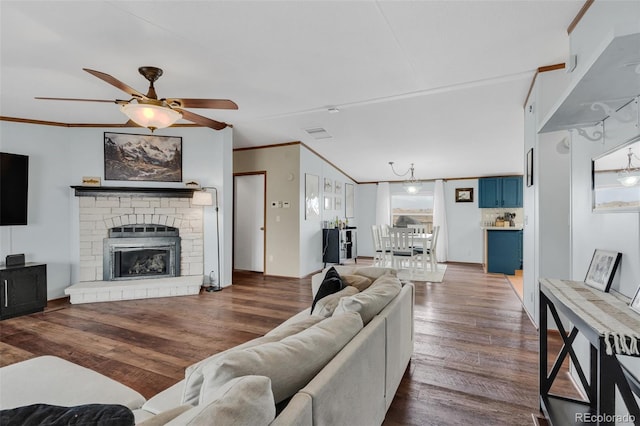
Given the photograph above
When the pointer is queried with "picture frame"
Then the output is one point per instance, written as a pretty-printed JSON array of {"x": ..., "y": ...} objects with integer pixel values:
[
  {"x": 529, "y": 167},
  {"x": 338, "y": 203},
  {"x": 151, "y": 158},
  {"x": 328, "y": 203},
  {"x": 337, "y": 187},
  {"x": 602, "y": 269},
  {"x": 311, "y": 196},
  {"x": 464, "y": 195},
  {"x": 328, "y": 185},
  {"x": 635, "y": 302},
  {"x": 349, "y": 200}
]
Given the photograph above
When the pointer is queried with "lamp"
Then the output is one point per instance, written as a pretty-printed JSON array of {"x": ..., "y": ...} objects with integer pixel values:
[
  {"x": 629, "y": 176},
  {"x": 151, "y": 115},
  {"x": 412, "y": 185},
  {"x": 204, "y": 198}
]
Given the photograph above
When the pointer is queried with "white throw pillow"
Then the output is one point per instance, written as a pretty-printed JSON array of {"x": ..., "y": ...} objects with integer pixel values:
[
  {"x": 325, "y": 306},
  {"x": 193, "y": 374},
  {"x": 368, "y": 303},
  {"x": 290, "y": 363},
  {"x": 246, "y": 400}
]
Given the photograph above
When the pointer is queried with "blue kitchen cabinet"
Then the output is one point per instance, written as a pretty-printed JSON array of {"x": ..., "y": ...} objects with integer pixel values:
[
  {"x": 504, "y": 251},
  {"x": 498, "y": 192}
]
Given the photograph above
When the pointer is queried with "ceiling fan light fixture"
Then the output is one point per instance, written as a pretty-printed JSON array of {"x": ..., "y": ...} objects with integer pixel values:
[{"x": 150, "y": 116}]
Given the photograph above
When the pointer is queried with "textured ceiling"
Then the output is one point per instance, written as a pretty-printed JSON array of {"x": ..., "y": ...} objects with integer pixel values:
[{"x": 437, "y": 83}]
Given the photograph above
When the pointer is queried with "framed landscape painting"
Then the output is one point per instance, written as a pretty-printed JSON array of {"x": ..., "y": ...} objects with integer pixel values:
[
  {"x": 602, "y": 269},
  {"x": 132, "y": 157}
]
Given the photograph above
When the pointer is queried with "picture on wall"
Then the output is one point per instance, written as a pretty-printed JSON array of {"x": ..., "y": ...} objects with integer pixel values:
[
  {"x": 338, "y": 203},
  {"x": 311, "y": 196},
  {"x": 328, "y": 185},
  {"x": 635, "y": 302},
  {"x": 328, "y": 203},
  {"x": 529, "y": 165},
  {"x": 337, "y": 187},
  {"x": 602, "y": 269},
  {"x": 464, "y": 195},
  {"x": 132, "y": 157},
  {"x": 349, "y": 202}
]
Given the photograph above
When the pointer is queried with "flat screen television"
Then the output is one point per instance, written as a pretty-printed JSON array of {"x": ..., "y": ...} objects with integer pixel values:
[{"x": 14, "y": 185}]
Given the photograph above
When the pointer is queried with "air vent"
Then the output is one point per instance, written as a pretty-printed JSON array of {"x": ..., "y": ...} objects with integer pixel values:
[{"x": 318, "y": 133}]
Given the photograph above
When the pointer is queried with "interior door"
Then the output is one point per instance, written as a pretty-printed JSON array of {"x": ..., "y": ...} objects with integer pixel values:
[{"x": 248, "y": 224}]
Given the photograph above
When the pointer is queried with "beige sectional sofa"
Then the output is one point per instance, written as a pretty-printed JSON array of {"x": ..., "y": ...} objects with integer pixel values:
[{"x": 341, "y": 367}]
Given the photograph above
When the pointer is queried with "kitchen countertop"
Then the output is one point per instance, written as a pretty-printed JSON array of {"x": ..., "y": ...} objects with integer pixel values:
[{"x": 503, "y": 228}]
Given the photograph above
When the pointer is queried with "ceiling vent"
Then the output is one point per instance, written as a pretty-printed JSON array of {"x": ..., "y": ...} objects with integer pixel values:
[{"x": 318, "y": 133}]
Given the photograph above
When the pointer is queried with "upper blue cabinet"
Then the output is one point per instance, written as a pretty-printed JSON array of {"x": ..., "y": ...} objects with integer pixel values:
[{"x": 497, "y": 192}]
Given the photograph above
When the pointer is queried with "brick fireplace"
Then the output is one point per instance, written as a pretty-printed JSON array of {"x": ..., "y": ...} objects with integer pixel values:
[{"x": 112, "y": 215}]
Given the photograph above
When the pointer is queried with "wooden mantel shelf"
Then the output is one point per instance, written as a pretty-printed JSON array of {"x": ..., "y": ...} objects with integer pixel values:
[{"x": 131, "y": 191}]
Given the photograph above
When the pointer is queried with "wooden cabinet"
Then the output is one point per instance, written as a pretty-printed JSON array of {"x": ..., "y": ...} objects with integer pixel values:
[
  {"x": 497, "y": 192},
  {"x": 504, "y": 251},
  {"x": 24, "y": 289},
  {"x": 338, "y": 245}
]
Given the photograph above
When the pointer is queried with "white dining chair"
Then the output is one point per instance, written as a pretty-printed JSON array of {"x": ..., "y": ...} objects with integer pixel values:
[
  {"x": 379, "y": 246},
  {"x": 429, "y": 252},
  {"x": 402, "y": 247}
]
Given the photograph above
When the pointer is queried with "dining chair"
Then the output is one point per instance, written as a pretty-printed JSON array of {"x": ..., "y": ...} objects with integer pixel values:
[
  {"x": 379, "y": 257},
  {"x": 402, "y": 247},
  {"x": 429, "y": 252}
]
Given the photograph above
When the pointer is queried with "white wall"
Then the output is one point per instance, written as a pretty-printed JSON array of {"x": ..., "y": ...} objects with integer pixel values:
[
  {"x": 59, "y": 157},
  {"x": 366, "y": 208},
  {"x": 311, "y": 230},
  {"x": 463, "y": 223}
]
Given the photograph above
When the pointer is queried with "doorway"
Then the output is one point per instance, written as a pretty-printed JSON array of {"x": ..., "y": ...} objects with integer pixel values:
[{"x": 249, "y": 219}]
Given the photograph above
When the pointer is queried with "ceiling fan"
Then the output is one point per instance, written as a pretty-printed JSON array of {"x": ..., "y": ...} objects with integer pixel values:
[{"x": 151, "y": 112}]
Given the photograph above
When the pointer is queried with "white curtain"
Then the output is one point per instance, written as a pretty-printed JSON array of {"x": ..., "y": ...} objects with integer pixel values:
[
  {"x": 440, "y": 219},
  {"x": 383, "y": 204}
]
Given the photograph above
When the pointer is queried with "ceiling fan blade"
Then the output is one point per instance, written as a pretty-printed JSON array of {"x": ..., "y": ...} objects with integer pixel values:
[
  {"x": 115, "y": 82},
  {"x": 203, "y": 103},
  {"x": 199, "y": 119},
  {"x": 116, "y": 101}
]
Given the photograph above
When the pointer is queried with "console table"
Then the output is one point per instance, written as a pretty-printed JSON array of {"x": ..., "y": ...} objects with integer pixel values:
[
  {"x": 611, "y": 328},
  {"x": 339, "y": 245},
  {"x": 24, "y": 289}
]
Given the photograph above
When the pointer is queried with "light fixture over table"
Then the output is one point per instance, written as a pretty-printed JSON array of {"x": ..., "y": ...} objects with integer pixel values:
[
  {"x": 411, "y": 185},
  {"x": 629, "y": 176}
]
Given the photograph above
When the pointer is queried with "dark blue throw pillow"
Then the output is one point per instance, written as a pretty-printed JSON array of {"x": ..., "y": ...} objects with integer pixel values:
[
  {"x": 332, "y": 283},
  {"x": 81, "y": 415}
]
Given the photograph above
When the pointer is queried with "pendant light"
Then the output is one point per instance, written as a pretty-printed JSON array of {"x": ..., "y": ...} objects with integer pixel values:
[{"x": 411, "y": 185}]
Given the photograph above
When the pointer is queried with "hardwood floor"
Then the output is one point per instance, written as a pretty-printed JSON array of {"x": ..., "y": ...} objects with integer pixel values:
[{"x": 475, "y": 359}]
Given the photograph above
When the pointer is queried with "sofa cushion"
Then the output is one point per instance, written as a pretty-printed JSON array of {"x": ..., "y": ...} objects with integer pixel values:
[
  {"x": 332, "y": 283},
  {"x": 325, "y": 306},
  {"x": 290, "y": 363},
  {"x": 358, "y": 281},
  {"x": 53, "y": 415},
  {"x": 374, "y": 272},
  {"x": 246, "y": 400},
  {"x": 370, "y": 302},
  {"x": 193, "y": 373}
]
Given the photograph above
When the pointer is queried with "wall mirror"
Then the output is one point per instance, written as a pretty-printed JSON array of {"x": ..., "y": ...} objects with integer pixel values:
[{"x": 616, "y": 179}]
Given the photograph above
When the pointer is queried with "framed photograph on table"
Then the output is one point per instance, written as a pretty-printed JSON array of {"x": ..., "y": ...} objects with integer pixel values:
[
  {"x": 635, "y": 302},
  {"x": 602, "y": 269}
]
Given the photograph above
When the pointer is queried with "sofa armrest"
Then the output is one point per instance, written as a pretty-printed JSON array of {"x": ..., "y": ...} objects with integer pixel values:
[
  {"x": 165, "y": 400},
  {"x": 296, "y": 413}
]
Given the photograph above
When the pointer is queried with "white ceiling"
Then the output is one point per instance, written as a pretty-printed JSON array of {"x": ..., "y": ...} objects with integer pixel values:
[{"x": 437, "y": 83}]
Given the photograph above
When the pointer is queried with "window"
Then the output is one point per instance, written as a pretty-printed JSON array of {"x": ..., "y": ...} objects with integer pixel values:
[{"x": 412, "y": 209}]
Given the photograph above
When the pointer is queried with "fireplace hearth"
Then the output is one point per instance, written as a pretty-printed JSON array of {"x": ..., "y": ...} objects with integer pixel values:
[{"x": 141, "y": 251}]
